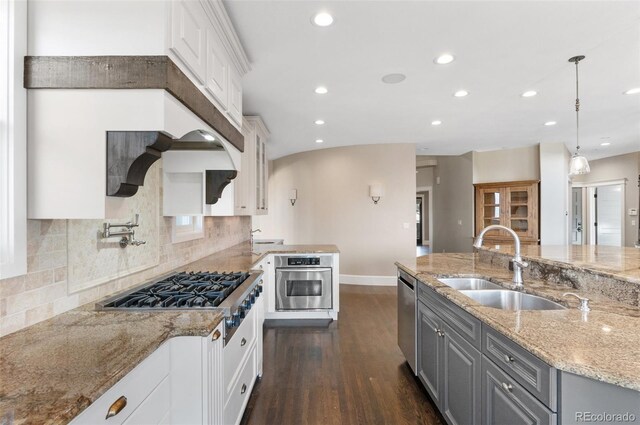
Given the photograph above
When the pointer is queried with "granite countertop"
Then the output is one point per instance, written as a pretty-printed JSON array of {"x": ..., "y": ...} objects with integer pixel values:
[
  {"x": 603, "y": 344},
  {"x": 617, "y": 262},
  {"x": 51, "y": 371}
]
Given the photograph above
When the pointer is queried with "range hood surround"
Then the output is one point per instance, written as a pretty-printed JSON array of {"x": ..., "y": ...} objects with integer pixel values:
[
  {"x": 130, "y": 154},
  {"x": 67, "y": 144}
]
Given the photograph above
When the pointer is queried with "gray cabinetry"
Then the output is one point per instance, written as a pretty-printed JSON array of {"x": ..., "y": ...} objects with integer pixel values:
[
  {"x": 449, "y": 367},
  {"x": 430, "y": 351},
  {"x": 462, "y": 395},
  {"x": 507, "y": 403}
]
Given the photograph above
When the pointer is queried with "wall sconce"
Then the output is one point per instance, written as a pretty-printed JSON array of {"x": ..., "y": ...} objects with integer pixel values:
[
  {"x": 293, "y": 196},
  {"x": 376, "y": 192}
]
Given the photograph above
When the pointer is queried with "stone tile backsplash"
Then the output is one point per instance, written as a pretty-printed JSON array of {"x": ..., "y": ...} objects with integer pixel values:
[{"x": 45, "y": 291}]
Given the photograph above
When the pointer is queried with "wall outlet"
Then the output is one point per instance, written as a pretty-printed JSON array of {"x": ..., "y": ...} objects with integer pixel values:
[
  {"x": 437, "y": 180},
  {"x": 459, "y": 222},
  {"x": 633, "y": 211}
]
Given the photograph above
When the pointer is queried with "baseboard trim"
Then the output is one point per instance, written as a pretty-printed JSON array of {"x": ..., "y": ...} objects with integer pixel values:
[{"x": 352, "y": 279}]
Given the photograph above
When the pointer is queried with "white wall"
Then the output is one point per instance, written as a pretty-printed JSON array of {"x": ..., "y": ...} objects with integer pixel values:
[
  {"x": 617, "y": 168},
  {"x": 554, "y": 194},
  {"x": 334, "y": 206},
  {"x": 453, "y": 204},
  {"x": 507, "y": 165}
]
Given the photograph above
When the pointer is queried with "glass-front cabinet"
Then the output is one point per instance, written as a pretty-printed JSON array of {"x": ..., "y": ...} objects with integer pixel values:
[
  {"x": 511, "y": 204},
  {"x": 252, "y": 180}
]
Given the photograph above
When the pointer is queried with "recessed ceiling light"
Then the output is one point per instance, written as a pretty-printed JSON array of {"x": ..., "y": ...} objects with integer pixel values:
[
  {"x": 436, "y": 122},
  {"x": 322, "y": 19},
  {"x": 321, "y": 90},
  {"x": 605, "y": 143},
  {"x": 529, "y": 93},
  {"x": 550, "y": 123},
  {"x": 393, "y": 78},
  {"x": 319, "y": 122},
  {"x": 461, "y": 93},
  {"x": 319, "y": 141},
  {"x": 444, "y": 59},
  {"x": 634, "y": 90}
]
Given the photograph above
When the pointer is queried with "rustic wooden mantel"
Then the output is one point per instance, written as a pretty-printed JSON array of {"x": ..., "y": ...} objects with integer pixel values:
[{"x": 127, "y": 72}]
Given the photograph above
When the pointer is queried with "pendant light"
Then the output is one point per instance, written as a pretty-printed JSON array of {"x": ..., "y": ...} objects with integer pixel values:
[{"x": 579, "y": 164}]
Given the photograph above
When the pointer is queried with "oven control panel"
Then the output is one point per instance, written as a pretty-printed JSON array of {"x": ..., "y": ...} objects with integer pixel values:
[{"x": 303, "y": 261}]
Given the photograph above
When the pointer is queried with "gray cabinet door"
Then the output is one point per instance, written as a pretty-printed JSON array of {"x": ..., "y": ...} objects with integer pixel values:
[
  {"x": 430, "y": 352},
  {"x": 507, "y": 403},
  {"x": 462, "y": 366}
]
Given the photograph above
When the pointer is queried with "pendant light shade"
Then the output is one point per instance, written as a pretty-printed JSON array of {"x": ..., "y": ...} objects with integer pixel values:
[{"x": 578, "y": 164}]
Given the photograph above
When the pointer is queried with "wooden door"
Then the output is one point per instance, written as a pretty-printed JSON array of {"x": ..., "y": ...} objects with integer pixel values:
[{"x": 521, "y": 210}]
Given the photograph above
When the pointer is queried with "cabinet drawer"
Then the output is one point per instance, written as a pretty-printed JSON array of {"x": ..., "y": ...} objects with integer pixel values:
[
  {"x": 241, "y": 391},
  {"x": 508, "y": 403},
  {"x": 238, "y": 348},
  {"x": 135, "y": 386},
  {"x": 536, "y": 376},
  {"x": 461, "y": 321},
  {"x": 154, "y": 408}
]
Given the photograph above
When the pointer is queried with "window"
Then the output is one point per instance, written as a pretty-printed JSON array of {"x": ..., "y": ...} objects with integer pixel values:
[
  {"x": 13, "y": 139},
  {"x": 187, "y": 228}
]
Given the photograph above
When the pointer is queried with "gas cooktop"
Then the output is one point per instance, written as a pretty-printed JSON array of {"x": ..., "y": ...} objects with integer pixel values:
[{"x": 182, "y": 290}]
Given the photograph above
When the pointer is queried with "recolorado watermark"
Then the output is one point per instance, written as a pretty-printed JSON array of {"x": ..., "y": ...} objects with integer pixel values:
[{"x": 604, "y": 417}]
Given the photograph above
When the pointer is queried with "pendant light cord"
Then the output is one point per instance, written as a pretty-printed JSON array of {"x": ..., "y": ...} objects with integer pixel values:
[{"x": 577, "y": 113}]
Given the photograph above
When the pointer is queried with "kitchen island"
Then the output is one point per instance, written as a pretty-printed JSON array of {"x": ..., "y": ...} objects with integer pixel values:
[
  {"x": 52, "y": 371},
  {"x": 575, "y": 348}
]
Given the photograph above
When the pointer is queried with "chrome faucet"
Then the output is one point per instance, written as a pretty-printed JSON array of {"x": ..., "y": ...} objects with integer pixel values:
[
  {"x": 251, "y": 237},
  {"x": 518, "y": 262},
  {"x": 128, "y": 235}
]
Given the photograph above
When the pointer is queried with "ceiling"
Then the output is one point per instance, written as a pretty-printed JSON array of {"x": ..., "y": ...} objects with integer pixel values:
[{"x": 501, "y": 48}]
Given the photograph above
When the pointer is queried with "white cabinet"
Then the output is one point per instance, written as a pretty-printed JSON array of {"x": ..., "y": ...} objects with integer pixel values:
[
  {"x": 244, "y": 204},
  {"x": 235, "y": 96},
  {"x": 188, "y": 35},
  {"x": 217, "y": 69},
  {"x": 255, "y": 178},
  {"x": 148, "y": 379}
]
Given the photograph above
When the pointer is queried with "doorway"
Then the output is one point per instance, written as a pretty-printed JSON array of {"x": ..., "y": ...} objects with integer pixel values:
[
  {"x": 419, "y": 215},
  {"x": 597, "y": 214}
]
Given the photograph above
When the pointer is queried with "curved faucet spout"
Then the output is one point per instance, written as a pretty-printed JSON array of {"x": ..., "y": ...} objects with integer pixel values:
[{"x": 518, "y": 264}]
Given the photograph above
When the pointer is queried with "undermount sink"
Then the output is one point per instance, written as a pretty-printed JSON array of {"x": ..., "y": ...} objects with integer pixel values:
[
  {"x": 511, "y": 300},
  {"x": 469, "y": 283}
]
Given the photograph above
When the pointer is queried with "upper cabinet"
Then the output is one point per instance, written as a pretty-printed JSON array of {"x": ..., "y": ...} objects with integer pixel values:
[
  {"x": 251, "y": 183},
  {"x": 511, "y": 204},
  {"x": 189, "y": 36}
]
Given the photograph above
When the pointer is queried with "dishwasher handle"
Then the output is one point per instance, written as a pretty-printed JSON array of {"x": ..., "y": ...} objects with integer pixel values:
[{"x": 407, "y": 282}]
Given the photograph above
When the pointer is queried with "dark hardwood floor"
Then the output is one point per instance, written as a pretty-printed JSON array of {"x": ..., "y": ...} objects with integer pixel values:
[{"x": 351, "y": 372}]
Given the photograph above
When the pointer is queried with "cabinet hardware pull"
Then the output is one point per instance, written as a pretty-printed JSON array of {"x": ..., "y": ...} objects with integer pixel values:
[
  {"x": 243, "y": 342},
  {"x": 243, "y": 389},
  {"x": 507, "y": 387},
  {"x": 117, "y": 407},
  {"x": 508, "y": 358},
  {"x": 216, "y": 335}
]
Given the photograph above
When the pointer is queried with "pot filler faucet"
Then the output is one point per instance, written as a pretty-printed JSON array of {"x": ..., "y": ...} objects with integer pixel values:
[
  {"x": 518, "y": 263},
  {"x": 128, "y": 234}
]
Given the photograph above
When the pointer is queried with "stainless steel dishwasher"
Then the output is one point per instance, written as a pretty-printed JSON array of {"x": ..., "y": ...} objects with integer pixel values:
[{"x": 407, "y": 317}]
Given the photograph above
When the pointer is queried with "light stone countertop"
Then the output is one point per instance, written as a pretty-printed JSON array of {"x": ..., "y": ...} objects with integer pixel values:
[
  {"x": 603, "y": 344},
  {"x": 51, "y": 371}
]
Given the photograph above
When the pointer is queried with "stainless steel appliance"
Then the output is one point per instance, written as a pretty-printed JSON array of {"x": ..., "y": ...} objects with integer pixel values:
[
  {"x": 407, "y": 318},
  {"x": 304, "y": 283},
  {"x": 231, "y": 293}
]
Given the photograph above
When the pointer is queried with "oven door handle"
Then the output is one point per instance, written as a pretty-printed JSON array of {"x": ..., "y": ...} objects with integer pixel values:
[{"x": 303, "y": 270}]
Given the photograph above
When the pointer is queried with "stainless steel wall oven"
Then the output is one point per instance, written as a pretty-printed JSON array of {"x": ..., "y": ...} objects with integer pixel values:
[{"x": 304, "y": 283}]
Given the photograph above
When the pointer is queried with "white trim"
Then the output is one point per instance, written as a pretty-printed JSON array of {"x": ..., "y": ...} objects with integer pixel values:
[
  {"x": 351, "y": 279},
  {"x": 13, "y": 139},
  {"x": 430, "y": 190},
  {"x": 601, "y": 183}
]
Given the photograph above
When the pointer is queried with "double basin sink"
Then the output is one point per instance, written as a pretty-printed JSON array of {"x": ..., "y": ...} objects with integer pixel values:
[{"x": 491, "y": 295}]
